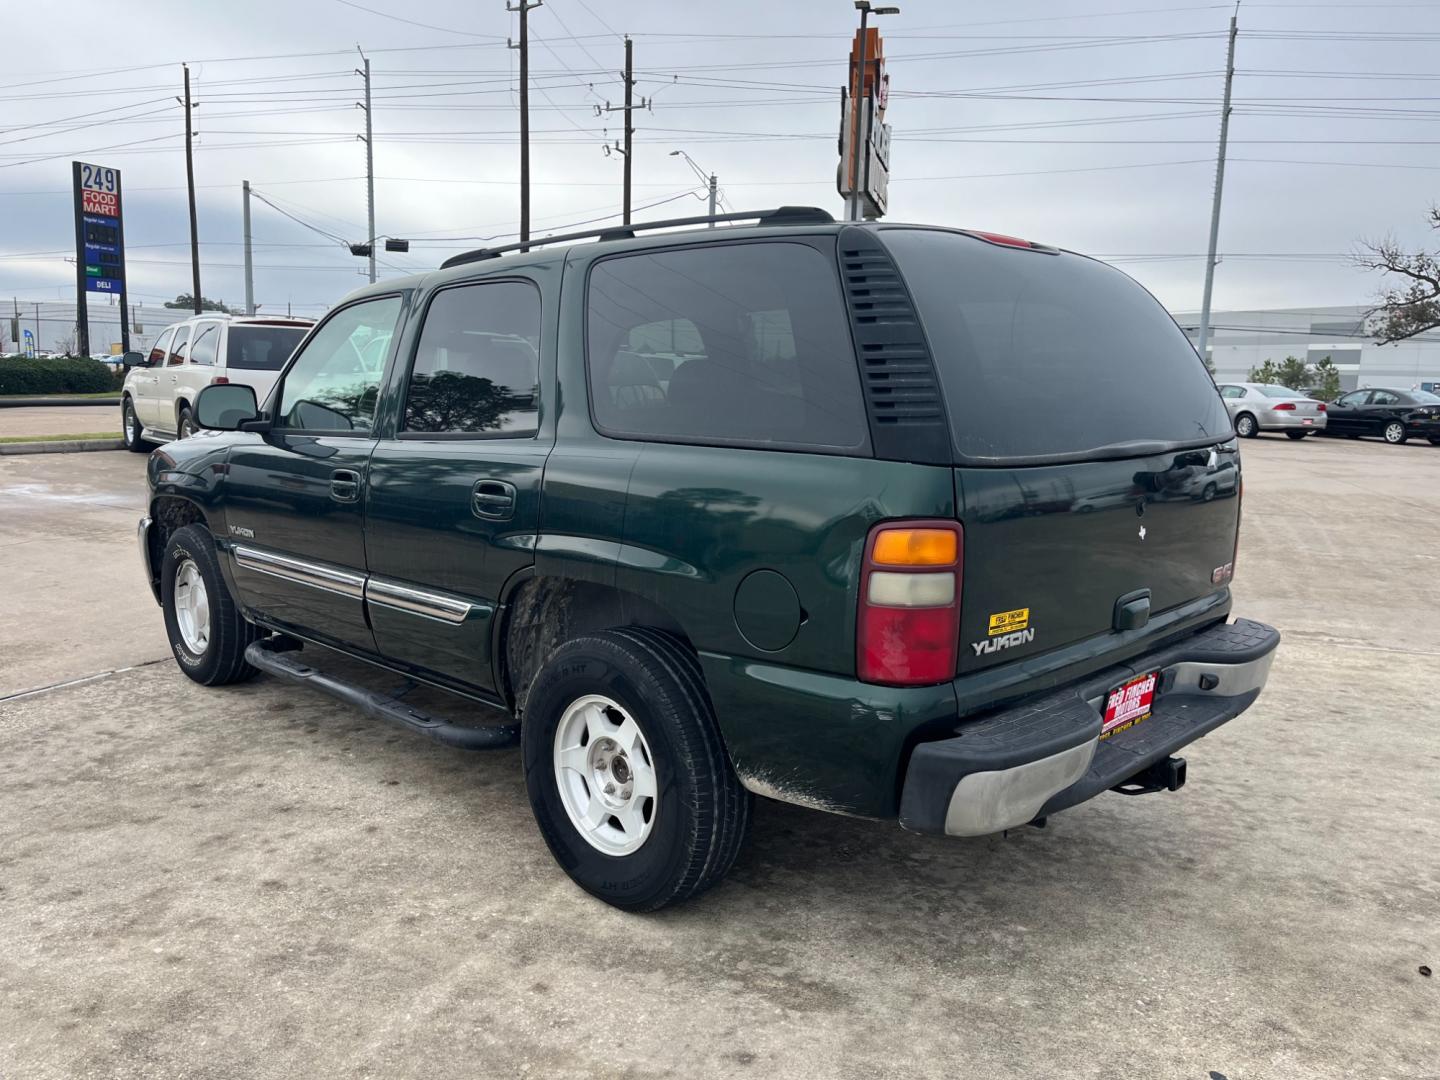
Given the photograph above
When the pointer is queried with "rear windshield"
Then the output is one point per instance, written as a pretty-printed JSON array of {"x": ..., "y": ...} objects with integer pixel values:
[
  {"x": 262, "y": 348},
  {"x": 1279, "y": 391},
  {"x": 1424, "y": 397},
  {"x": 1052, "y": 356}
]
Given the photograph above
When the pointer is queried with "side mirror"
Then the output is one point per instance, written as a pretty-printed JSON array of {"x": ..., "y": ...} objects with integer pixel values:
[
  {"x": 133, "y": 359},
  {"x": 225, "y": 407}
]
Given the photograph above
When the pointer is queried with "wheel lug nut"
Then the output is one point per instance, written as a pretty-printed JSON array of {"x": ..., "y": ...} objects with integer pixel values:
[
  {"x": 602, "y": 765},
  {"x": 609, "y": 789}
]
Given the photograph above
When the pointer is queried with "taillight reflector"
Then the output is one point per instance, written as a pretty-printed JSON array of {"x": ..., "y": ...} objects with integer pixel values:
[
  {"x": 1320, "y": 406},
  {"x": 908, "y": 629},
  {"x": 219, "y": 380},
  {"x": 1284, "y": 406}
]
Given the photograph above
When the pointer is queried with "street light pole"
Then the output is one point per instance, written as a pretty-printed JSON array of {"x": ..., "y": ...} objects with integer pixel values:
[{"x": 711, "y": 182}]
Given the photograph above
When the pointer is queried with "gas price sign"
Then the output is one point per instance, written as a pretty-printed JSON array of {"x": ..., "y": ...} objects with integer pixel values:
[{"x": 100, "y": 237}]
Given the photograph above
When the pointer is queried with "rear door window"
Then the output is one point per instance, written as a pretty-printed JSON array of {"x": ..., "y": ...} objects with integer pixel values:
[
  {"x": 734, "y": 344},
  {"x": 179, "y": 347},
  {"x": 1052, "y": 357}
]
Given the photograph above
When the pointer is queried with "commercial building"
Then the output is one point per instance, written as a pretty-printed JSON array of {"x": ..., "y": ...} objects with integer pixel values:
[{"x": 1241, "y": 340}]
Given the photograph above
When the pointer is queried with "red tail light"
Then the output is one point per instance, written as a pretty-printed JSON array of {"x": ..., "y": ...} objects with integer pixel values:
[
  {"x": 1284, "y": 406},
  {"x": 1320, "y": 406},
  {"x": 219, "y": 380},
  {"x": 908, "y": 630}
]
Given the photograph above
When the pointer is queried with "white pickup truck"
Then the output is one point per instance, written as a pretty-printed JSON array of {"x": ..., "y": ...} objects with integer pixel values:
[{"x": 157, "y": 401}]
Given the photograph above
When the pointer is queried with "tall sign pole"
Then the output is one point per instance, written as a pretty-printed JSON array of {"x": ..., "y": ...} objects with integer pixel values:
[
  {"x": 1203, "y": 336},
  {"x": 99, "y": 245}
]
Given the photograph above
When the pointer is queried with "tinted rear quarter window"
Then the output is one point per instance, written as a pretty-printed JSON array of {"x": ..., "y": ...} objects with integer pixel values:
[
  {"x": 1044, "y": 356},
  {"x": 745, "y": 344},
  {"x": 261, "y": 348}
]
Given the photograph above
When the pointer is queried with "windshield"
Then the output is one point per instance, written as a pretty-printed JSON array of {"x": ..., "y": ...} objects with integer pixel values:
[
  {"x": 262, "y": 348},
  {"x": 1052, "y": 356}
]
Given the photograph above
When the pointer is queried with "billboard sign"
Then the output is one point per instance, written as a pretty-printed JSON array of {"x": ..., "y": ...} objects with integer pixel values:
[
  {"x": 864, "y": 135},
  {"x": 99, "y": 242}
]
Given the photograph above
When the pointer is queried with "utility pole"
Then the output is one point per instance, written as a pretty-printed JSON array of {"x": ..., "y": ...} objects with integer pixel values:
[
  {"x": 523, "y": 8},
  {"x": 369, "y": 138},
  {"x": 629, "y": 127},
  {"x": 628, "y": 109},
  {"x": 1204, "y": 335},
  {"x": 190, "y": 185},
  {"x": 37, "y": 326},
  {"x": 249, "y": 263}
]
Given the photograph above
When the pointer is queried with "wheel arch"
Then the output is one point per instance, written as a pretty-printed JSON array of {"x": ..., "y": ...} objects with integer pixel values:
[
  {"x": 539, "y": 613},
  {"x": 167, "y": 514}
]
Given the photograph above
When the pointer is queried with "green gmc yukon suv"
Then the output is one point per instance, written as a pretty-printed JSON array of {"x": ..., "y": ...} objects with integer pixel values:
[{"x": 886, "y": 520}]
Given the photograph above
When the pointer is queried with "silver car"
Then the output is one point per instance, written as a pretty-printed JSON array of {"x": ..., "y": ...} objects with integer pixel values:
[{"x": 1257, "y": 407}]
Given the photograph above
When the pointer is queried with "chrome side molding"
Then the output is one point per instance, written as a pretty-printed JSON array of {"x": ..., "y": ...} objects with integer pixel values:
[
  {"x": 391, "y": 594},
  {"x": 317, "y": 575}
]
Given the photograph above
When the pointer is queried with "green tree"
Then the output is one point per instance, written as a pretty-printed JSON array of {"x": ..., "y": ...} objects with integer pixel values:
[
  {"x": 1327, "y": 380},
  {"x": 186, "y": 301},
  {"x": 1292, "y": 372}
]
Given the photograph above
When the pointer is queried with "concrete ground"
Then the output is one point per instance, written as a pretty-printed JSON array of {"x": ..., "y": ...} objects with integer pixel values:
[
  {"x": 59, "y": 420},
  {"x": 257, "y": 882}
]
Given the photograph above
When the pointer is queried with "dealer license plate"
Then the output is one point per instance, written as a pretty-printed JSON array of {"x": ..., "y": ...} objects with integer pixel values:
[{"x": 1129, "y": 704}]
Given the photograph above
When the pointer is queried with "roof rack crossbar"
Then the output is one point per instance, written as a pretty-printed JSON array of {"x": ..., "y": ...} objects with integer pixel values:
[{"x": 780, "y": 215}]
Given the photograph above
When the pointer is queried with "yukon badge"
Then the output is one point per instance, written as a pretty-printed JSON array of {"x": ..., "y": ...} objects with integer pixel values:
[
  {"x": 1005, "y": 641},
  {"x": 240, "y": 530}
]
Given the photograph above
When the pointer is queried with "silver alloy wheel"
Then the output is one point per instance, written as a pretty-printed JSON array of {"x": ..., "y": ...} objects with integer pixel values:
[
  {"x": 131, "y": 435},
  {"x": 192, "y": 607},
  {"x": 1394, "y": 432},
  {"x": 605, "y": 775}
]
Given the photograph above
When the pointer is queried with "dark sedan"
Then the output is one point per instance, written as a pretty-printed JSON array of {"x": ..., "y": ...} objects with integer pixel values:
[{"x": 1392, "y": 415}]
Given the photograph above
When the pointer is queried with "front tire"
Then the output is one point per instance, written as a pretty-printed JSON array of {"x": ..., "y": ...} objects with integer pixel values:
[
  {"x": 628, "y": 776},
  {"x": 131, "y": 429},
  {"x": 185, "y": 424},
  {"x": 208, "y": 635},
  {"x": 1246, "y": 427},
  {"x": 1395, "y": 433}
]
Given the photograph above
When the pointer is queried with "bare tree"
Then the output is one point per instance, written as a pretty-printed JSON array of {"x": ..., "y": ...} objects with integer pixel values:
[{"x": 1411, "y": 304}]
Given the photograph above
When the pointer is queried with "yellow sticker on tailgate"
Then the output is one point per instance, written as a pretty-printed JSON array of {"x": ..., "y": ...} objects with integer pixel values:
[{"x": 1005, "y": 622}]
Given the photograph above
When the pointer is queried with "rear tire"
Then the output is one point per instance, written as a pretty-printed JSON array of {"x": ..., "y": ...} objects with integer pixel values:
[
  {"x": 208, "y": 635},
  {"x": 1296, "y": 435},
  {"x": 641, "y": 690},
  {"x": 185, "y": 424},
  {"x": 1246, "y": 427},
  {"x": 131, "y": 429},
  {"x": 1395, "y": 433}
]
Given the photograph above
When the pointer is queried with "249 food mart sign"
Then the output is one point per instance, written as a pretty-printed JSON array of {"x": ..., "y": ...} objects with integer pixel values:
[{"x": 99, "y": 227}]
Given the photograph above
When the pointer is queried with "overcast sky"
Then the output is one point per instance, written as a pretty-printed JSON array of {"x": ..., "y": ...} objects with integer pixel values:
[{"x": 1094, "y": 129}]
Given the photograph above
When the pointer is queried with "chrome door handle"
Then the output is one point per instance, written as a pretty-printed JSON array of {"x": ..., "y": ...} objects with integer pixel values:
[
  {"x": 493, "y": 500},
  {"x": 345, "y": 485}
]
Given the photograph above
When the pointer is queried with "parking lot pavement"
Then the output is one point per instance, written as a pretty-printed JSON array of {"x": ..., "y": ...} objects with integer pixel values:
[
  {"x": 73, "y": 601},
  {"x": 258, "y": 882},
  {"x": 59, "y": 420}
]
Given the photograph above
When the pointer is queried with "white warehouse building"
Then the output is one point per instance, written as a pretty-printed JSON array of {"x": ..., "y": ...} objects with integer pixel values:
[{"x": 1241, "y": 340}]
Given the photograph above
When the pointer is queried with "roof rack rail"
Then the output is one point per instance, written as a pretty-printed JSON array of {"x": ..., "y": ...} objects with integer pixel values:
[{"x": 780, "y": 215}]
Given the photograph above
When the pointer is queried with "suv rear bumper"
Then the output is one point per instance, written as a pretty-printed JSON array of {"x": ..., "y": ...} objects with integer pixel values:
[{"x": 1021, "y": 763}]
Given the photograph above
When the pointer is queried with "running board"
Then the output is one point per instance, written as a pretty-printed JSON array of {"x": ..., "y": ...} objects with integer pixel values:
[{"x": 278, "y": 658}]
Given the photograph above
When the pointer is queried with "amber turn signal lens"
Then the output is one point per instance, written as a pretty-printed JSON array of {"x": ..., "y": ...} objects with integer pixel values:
[{"x": 915, "y": 547}]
